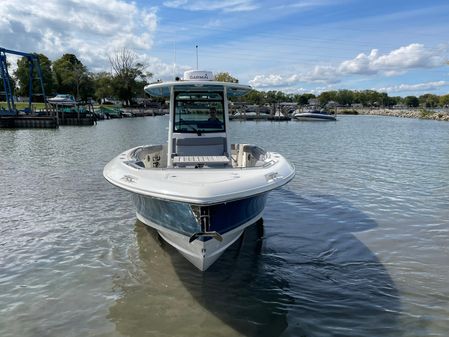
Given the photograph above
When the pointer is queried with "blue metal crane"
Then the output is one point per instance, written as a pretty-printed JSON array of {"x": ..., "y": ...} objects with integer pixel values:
[{"x": 33, "y": 61}]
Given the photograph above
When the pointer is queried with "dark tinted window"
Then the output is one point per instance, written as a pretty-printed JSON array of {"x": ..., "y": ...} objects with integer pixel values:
[{"x": 199, "y": 112}]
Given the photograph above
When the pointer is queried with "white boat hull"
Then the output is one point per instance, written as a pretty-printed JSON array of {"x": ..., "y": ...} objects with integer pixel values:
[
  {"x": 171, "y": 200},
  {"x": 310, "y": 116}
]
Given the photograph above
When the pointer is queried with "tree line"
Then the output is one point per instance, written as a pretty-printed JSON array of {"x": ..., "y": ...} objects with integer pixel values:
[
  {"x": 127, "y": 79},
  {"x": 68, "y": 75},
  {"x": 366, "y": 98}
]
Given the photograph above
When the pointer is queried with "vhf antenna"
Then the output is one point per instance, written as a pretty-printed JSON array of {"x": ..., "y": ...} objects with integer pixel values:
[{"x": 196, "y": 57}]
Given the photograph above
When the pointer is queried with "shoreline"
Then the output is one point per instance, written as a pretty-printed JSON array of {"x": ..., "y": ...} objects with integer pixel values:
[{"x": 404, "y": 113}]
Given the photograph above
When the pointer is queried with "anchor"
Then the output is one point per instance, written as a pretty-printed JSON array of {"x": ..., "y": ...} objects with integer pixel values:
[
  {"x": 202, "y": 215},
  {"x": 213, "y": 234}
]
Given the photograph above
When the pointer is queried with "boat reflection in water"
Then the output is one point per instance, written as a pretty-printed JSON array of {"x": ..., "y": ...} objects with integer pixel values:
[
  {"x": 164, "y": 296},
  {"x": 339, "y": 286}
]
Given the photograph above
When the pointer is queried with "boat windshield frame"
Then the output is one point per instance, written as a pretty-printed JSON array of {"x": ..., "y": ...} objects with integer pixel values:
[{"x": 199, "y": 111}]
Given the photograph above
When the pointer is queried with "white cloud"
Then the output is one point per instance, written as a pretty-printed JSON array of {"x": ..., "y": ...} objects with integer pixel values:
[
  {"x": 300, "y": 91},
  {"x": 396, "y": 62},
  {"x": 175, "y": 3},
  {"x": 305, "y": 4},
  {"x": 322, "y": 74},
  {"x": 319, "y": 74},
  {"x": 161, "y": 70},
  {"x": 412, "y": 56},
  {"x": 217, "y": 5},
  {"x": 273, "y": 80},
  {"x": 91, "y": 29},
  {"x": 427, "y": 86},
  {"x": 361, "y": 64}
]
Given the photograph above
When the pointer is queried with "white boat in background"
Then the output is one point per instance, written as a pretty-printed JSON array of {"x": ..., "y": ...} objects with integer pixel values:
[
  {"x": 314, "y": 115},
  {"x": 64, "y": 99},
  {"x": 198, "y": 190}
]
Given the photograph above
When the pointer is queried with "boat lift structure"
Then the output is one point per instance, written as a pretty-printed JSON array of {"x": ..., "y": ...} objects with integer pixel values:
[{"x": 33, "y": 61}]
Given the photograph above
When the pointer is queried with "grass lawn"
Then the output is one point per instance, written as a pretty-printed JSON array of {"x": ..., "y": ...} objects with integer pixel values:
[{"x": 23, "y": 105}]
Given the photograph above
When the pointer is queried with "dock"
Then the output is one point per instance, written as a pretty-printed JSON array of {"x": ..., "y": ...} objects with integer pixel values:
[
  {"x": 39, "y": 122},
  {"x": 276, "y": 112}
]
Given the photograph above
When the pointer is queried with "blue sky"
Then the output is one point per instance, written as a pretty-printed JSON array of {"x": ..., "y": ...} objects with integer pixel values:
[{"x": 399, "y": 47}]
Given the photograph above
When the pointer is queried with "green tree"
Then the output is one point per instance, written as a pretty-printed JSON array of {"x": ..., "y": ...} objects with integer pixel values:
[
  {"x": 444, "y": 100},
  {"x": 370, "y": 98},
  {"x": 345, "y": 97},
  {"x": 303, "y": 99},
  {"x": 87, "y": 87},
  {"x": 72, "y": 77},
  {"x": 270, "y": 96},
  {"x": 411, "y": 101},
  {"x": 327, "y": 96},
  {"x": 129, "y": 77},
  {"x": 225, "y": 77},
  {"x": 22, "y": 74},
  {"x": 391, "y": 101},
  {"x": 103, "y": 85},
  {"x": 253, "y": 97},
  {"x": 281, "y": 97},
  {"x": 428, "y": 100},
  {"x": 384, "y": 99}
]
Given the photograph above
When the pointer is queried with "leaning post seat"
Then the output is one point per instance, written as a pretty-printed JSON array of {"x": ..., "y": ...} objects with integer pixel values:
[{"x": 200, "y": 150}]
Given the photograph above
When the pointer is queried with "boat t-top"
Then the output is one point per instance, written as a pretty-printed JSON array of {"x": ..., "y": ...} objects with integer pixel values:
[{"x": 199, "y": 191}]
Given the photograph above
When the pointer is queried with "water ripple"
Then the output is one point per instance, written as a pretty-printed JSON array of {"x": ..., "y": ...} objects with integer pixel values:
[{"x": 356, "y": 245}]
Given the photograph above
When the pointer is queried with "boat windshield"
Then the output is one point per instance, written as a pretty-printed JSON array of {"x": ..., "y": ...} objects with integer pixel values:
[{"x": 199, "y": 112}]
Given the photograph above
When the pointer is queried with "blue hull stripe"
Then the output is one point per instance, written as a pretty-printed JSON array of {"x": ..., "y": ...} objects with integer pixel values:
[
  {"x": 179, "y": 217},
  {"x": 224, "y": 217}
]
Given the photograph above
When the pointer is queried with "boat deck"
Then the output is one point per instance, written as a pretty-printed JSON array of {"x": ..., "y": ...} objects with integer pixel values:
[{"x": 186, "y": 160}]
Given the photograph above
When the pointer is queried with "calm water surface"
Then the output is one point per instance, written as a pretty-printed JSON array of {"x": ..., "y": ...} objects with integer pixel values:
[{"x": 356, "y": 245}]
